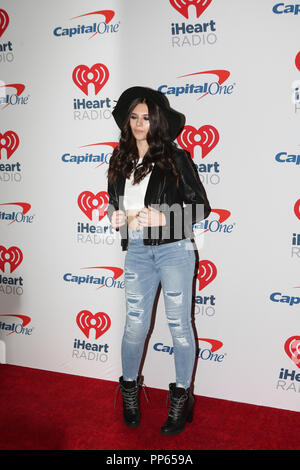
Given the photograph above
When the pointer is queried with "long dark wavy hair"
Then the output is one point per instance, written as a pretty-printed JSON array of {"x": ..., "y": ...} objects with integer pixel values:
[{"x": 125, "y": 156}]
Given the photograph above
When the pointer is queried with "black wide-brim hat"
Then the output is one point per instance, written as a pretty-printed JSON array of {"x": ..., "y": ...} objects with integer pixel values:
[{"x": 175, "y": 119}]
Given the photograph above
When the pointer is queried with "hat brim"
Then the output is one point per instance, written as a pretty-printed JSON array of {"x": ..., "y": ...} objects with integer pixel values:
[{"x": 175, "y": 119}]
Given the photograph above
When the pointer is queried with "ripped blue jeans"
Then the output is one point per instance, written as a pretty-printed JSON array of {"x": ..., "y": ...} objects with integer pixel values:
[{"x": 172, "y": 264}]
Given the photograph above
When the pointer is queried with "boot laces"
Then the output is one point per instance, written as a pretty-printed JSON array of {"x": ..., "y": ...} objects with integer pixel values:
[
  {"x": 176, "y": 405},
  {"x": 130, "y": 396}
]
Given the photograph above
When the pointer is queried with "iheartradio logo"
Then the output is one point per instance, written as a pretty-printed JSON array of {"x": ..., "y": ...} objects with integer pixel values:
[
  {"x": 182, "y": 6},
  {"x": 292, "y": 349},
  {"x": 207, "y": 272},
  {"x": 297, "y": 209},
  {"x": 98, "y": 75},
  {"x": 89, "y": 202},
  {"x": 10, "y": 142},
  {"x": 4, "y": 21},
  {"x": 13, "y": 256},
  {"x": 207, "y": 137},
  {"x": 86, "y": 321}
]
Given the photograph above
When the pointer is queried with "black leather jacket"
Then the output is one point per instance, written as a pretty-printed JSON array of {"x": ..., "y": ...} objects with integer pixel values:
[{"x": 162, "y": 194}]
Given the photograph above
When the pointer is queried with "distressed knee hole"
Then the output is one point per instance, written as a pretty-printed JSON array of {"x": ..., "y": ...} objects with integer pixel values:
[
  {"x": 135, "y": 314},
  {"x": 183, "y": 341},
  {"x": 133, "y": 298},
  {"x": 129, "y": 276},
  {"x": 175, "y": 296},
  {"x": 173, "y": 323}
]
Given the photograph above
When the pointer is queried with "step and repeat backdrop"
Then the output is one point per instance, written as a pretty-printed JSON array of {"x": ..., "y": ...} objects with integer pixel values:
[{"x": 233, "y": 68}]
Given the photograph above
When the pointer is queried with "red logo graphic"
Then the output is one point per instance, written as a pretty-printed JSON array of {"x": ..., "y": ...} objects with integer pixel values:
[
  {"x": 24, "y": 205},
  {"x": 297, "y": 61},
  {"x": 4, "y": 20},
  {"x": 109, "y": 14},
  {"x": 223, "y": 214},
  {"x": 110, "y": 144},
  {"x": 88, "y": 202},
  {"x": 100, "y": 322},
  {"x": 292, "y": 348},
  {"x": 98, "y": 75},
  {"x": 206, "y": 136},
  {"x": 221, "y": 74},
  {"x": 13, "y": 256},
  {"x": 19, "y": 89},
  {"x": 297, "y": 209},
  {"x": 9, "y": 141},
  {"x": 215, "y": 344},
  {"x": 25, "y": 319},
  {"x": 182, "y": 6},
  {"x": 207, "y": 272}
]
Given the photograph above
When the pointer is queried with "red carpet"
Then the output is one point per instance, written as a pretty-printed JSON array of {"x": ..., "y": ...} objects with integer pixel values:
[{"x": 43, "y": 410}]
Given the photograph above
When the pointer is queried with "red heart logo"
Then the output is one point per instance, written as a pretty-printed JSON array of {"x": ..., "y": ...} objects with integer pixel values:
[
  {"x": 297, "y": 209},
  {"x": 98, "y": 75},
  {"x": 183, "y": 5},
  {"x": 206, "y": 136},
  {"x": 292, "y": 348},
  {"x": 100, "y": 322},
  {"x": 11, "y": 142},
  {"x": 207, "y": 272},
  {"x": 88, "y": 202},
  {"x": 4, "y": 20},
  {"x": 13, "y": 256}
]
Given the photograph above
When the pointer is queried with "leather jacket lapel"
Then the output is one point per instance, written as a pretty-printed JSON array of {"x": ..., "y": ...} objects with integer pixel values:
[{"x": 153, "y": 187}]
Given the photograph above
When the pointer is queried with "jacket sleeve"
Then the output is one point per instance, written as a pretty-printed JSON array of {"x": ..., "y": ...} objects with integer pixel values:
[
  {"x": 179, "y": 218},
  {"x": 191, "y": 189},
  {"x": 113, "y": 203}
]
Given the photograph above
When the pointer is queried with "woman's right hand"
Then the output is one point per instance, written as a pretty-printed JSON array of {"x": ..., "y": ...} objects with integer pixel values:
[{"x": 118, "y": 219}]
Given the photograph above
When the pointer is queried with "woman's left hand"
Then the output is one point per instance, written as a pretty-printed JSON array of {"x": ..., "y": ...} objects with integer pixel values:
[{"x": 150, "y": 217}]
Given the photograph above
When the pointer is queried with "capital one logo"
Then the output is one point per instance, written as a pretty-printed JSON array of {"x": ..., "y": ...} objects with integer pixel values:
[
  {"x": 215, "y": 343},
  {"x": 25, "y": 207},
  {"x": 17, "y": 328},
  {"x": 88, "y": 202},
  {"x": 10, "y": 142},
  {"x": 83, "y": 75},
  {"x": 16, "y": 97},
  {"x": 207, "y": 272},
  {"x": 292, "y": 349},
  {"x": 13, "y": 256},
  {"x": 182, "y": 6},
  {"x": 113, "y": 145},
  {"x": 86, "y": 321},
  {"x": 4, "y": 20},
  {"x": 297, "y": 209},
  {"x": 207, "y": 137},
  {"x": 216, "y": 225}
]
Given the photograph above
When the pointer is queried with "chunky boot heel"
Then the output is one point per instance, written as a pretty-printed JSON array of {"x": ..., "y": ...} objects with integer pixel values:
[
  {"x": 181, "y": 410},
  {"x": 190, "y": 416},
  {"x": 131, "y": 405}
]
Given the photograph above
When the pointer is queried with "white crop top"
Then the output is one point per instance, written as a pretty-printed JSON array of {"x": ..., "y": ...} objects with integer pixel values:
[{"x": 134, "y": 195}]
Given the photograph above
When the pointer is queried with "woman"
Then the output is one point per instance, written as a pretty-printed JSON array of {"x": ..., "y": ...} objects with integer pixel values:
[{"x": 155, "y": 195}]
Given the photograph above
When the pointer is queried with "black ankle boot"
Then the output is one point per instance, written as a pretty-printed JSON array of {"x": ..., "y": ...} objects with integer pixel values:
[
  {"x": 181, "y": 410},
  {"x": 131, "y": 408}
]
